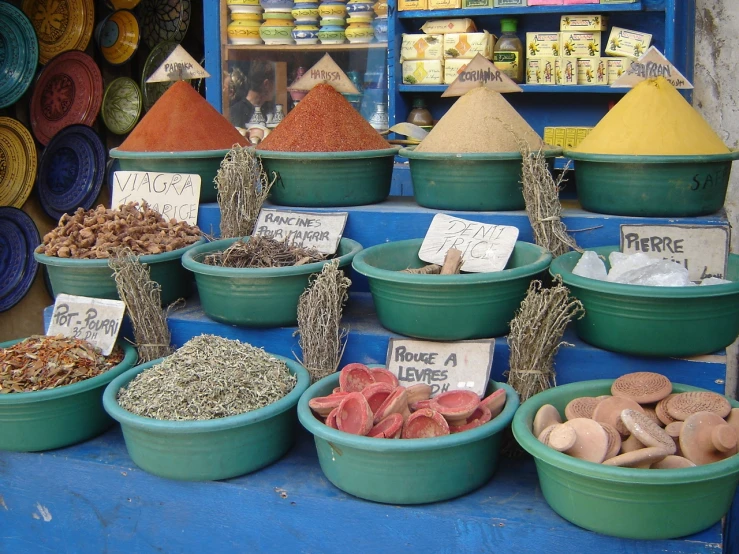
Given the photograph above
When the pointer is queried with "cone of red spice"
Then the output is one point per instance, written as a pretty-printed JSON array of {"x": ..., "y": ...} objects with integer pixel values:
[
  {"x": 323, "y": 121},
  {"x": 180, "y": 121}
]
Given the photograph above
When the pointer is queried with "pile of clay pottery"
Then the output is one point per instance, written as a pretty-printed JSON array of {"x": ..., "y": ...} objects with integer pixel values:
[
  {"x": 359, "y": 22},
  {"x": 278, "y": 22},
  {"x": 333, "y": 22},
  {"x": 380, "y": 22},
  {"x": 245, "y": 20},
  {"x": 306, "y": 22}
]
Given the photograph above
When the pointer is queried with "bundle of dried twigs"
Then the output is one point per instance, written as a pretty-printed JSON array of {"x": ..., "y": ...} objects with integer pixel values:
[{"x": 263, "y": 252}]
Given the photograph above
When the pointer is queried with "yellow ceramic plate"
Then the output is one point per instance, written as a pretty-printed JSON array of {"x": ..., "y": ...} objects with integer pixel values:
[
  {"x": 17, "y": 163},
  {"x": 61, "y": 25}
]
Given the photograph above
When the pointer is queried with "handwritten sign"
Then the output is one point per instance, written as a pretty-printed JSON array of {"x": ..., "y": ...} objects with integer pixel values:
[
  {"x": 174, "y": 195},
  {"x": 320, "y": 231},
  {"x": 325, "y": 71},
  {"x": 651, "y": 65},
  {"x": 178, "y": 66},
  {"x": 95, "y": 320},
  {"x": 484, "y": 247},
  {"x": 481, "y": 72},
  {"x": 443, "y": 365},
  {"x": 704, "y": 251}
]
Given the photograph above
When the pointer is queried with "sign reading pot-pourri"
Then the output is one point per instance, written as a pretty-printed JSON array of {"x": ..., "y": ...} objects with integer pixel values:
[
  {"x": 704, "y": 251},
  {"x": 484, "y": 247},
  {"x": 320, "y": 231},
  {"x": 95, "y": 320},
  {"x": 174, "y": 195},
  {"x": 443, "y": 365}
]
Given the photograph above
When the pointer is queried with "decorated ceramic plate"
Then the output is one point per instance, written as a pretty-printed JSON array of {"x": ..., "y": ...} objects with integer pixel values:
[
  {"x": 71, "y": 171},
  {"x": 17, "y": 163},
  {"x": 117, "y": 36},
  {"x": 69, "y": 90},
  {"x": 61, "y": 25},
  {"x": 122, "y": 4},
  {"x": 121, "y": 105},
  {"x": 18, "y": 54},
  {"x": 163, "y": 20},
  {"x": 152, "y": 91},
  {"x": 19, "y": 237}
]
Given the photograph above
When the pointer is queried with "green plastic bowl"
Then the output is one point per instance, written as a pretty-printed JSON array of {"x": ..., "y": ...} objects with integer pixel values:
[
  {"x": 620, "y": 501},
  {"x": 62, "y": 416},
  {"x": 407, "y": 471},
  {"x": 653, "y": 321},
  {"x": 255, "y": 297},
  {"x": 472, "y": 182},
  {"x": 201, "y": 162},
  {"x": 326, "y": 179},
  {"x": 94, "y": 278},
  {"x": 652, "y": 186},
  {"x": 447, "y": 307},
  {"x": 212, "y": 449}
]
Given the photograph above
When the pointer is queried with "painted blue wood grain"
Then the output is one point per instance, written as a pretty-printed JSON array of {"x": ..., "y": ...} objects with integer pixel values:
[{"x": 212, "y": 45}]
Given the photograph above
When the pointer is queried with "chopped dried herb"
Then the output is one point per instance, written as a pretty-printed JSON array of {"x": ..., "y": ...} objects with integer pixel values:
[{"x": 261, "y": 251}]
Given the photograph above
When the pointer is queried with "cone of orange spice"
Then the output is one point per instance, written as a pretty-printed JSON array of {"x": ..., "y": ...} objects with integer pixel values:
[{"x": 324, "y": 121}]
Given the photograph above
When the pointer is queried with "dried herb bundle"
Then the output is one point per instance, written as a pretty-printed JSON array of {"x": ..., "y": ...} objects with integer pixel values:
[
  {"x": 40, "y": 362},
  {"x": 320, "y": 308},
  {"x": 535, "y": 336},
  {"x": 143, "y": 300},
  {"x": 209, "y": 377},
  {"x": 243, "y": 187},
  {"x": 263, "y": 252}
]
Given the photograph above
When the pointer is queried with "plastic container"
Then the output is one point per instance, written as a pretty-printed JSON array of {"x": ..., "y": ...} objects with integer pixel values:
[
  {"x": 62, "y": 416},
  {"x": 652, "y": 186},
  {"x": 407, "y": 471},
  {"x": 625, "y": 502},
  {"x": 508, "y": 54},
  {"x": 255, "y": 297},
  {"x": 653, "y": 321},
  {"x": 210, "y": 449},
  {"x": 471, "y": 182},
  {"x": 94, "y": 278},
  {"x": 328, "y": 179},
  {"x": 447, "y": 307}
]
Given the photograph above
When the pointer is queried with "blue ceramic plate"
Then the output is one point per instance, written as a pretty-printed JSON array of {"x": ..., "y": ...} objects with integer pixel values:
[
  {"x": 10, "y": 239},
  {"x": 18, "y": 54},
  {"x": 71, "y": 171}
]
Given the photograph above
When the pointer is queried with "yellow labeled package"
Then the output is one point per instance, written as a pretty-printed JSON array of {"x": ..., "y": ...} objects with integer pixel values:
[
  {"x": 445, "y": 4},
  {"x": 565, "y": 71},
  {"x": 452, "y": 69},
  {"x": 560, "y": 135},
  {"x": 444, "y": 26},
  {"x": 421, "y": 47},
  {"x": 549, "y": 135},
  {"x": 570, "y": 137},
  {"x": 468, "y": 45},
  {"x": 592, "y": 71},
  {"x": 542, "y": 45},
  {"x": 583, "y": 23},
  {"x": 582, "y": 132},
  {"x": 423, "y": 72},
  {"x": 580, "y": 44},
  {"x": 617, "y": 67},
  {"x": 541, "y": 71},
  {"x": 631, "y": 44},
  {"x": 406, "y": 5}
]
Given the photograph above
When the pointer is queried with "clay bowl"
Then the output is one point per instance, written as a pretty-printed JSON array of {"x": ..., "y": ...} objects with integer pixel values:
[
  {"x": 407, "y": 471},
  {"x": 625, "y": 502}
]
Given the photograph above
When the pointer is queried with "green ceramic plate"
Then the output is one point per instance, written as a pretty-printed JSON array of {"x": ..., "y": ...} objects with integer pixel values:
[{"x": 122, "y": 103}]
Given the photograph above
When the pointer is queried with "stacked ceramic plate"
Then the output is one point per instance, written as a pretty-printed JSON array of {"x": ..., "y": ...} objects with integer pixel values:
[
  {"x": 162, "y": 20},
  {"x": 60, "y": 26},
  {"x": 20, "y": 54},
  {"x": 18, "y": 239},
  {"x": 17, "y": 162}
]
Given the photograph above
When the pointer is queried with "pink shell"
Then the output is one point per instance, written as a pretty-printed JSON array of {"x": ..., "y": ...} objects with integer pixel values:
[
  {"x": 456, "y": 405},
  {"x": 425, "y": 423},
  {"x": 397, "y": 402},
  {"x": 420, "y": 405},
  {"x": 376, "y": 394},
  {"x": 389, "y": 428},
  {"x": 495, "y": 402},
  {"x": 331, "y": 419},
  {"x": 323, "y": 405},
  {"x": 354, "y": 415},
  {"x": 354, "y": 377},
  {"x": 479, "y": 417},
  {"x": 382, "y": 375}
]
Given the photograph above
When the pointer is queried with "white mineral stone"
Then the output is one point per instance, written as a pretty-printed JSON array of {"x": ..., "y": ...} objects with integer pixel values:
[
  {"x": 663, "y": 273},
  {"x": 590, "y": 266},
  {"x": 628, "y": 262},
  {"x": 714, "y": 281}
]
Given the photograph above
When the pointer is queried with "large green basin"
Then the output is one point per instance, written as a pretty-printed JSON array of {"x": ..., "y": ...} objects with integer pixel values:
[
  {"x": 62, "y": 416},
  {"x": 620, "y": 501},
  {"x": 652, "y": 186},
  {"x": 447, "y": 307},
  {"x": 329, "y": 178},
  {"x": 255, "y": 297},
  {"x": 210, "y": 449},
  {"x": 471, "y": 182},
  {"x": 407, "y": 471},
  {"x": 653, "y": 321}
]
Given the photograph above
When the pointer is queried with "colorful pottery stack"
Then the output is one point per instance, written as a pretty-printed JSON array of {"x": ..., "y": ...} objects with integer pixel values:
[
  {"x": 380, "y": 22},
  {"x": 297, "y": 95},
  {"x": 360, "y": 21},
  {"x": 278, "y": 22},
  {"x": 246, "y": 17},
  {"x": 306, "y": 22},
  {"x": 333, "y": 22}
]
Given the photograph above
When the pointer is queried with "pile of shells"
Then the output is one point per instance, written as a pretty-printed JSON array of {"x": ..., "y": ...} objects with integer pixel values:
[
  {"x": 642, "y": 424},
  {"x": 372, "y": 403}
]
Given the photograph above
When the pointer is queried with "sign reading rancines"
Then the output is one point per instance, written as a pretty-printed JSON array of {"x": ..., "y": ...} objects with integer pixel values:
[{"x": 320, "y": 231}]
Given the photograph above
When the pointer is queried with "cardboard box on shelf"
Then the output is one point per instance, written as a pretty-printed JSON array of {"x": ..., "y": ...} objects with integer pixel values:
[
  {"x": 468, "y": 45},
  {"x": 407, "y": 5},
  {"x": 624, "y": 42},
  {"x": 565, "y": 71},
  {"x": 580, "y": 44},
  {"x": 444, "y": 4},
  {"x": 540, "y": 71},
  {"x": 444, "y": 26},
  {"x": 583, "y": 22},
  {"x": 477, "y": 4},
  {"x": 452, "y": 69},
  {"x": 566, "y": 2},
  {"x": 592, "y": 71},
  {"x": 542, "y": 45},
  {"x": 508, "y": 3},
  {"x": 423, "y": 72},
  {"x": 617, "y": 67},
  {"x": 582, "y": 132},
  {"x": 421, "y": 47},
  {"x": 545, "y": 2},
  {"x": 617, "y": 1}
]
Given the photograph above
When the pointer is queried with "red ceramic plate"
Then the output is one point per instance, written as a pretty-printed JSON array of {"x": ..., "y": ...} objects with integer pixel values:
[{"x": 69, "y": 90}]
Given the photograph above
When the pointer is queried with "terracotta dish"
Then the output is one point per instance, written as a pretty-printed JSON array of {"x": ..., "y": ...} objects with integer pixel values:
[
  {"x": 647, "y": 431},
  {"x": 354, "y": 377},
  {"x": 581, "y": 407},
  {"x": 683, "y": 405},
  {"x": 642, "y": 458},
  {"x": 643, "y": 387},
  {"x": 706, "y": 438},
  {"x": 609, "y": 411},
  {"x": 354, "y": 414},
  {"x": 592, "y": 440},
  {"x": 425, "y": 424},
  {"x": 546, "y": 416}
]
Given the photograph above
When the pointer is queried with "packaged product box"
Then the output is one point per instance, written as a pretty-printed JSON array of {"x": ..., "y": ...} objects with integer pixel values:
[
  {"x": 444, "y": 4},
  {"x": 631, "y": 44},
  {"x": 444, "y": 26},
  {"x": 580, "y": 44},
  {"x": 541, "y": 71},
  {"x": 617, "y": 67},
  {"x": 452, "y": 69},
  {"x": 468, "y": 45},
  {"x": 421, "y": 47},
  {"x": 545, "y": 2},
  {"x": 423, "y": 72},
  {"x": 581, "y": 2},
  {"x": 617, "y": 1},
  {"x": 508, "y": 3},
  {"x": 549, "y": 135},
  {"x": 406, "y": 5},
  {"x": 477, "y": 4},
  {"x": 570, "y": 137},
  {"x": 582, "y": 132},
  {"x": 542, "y": 45},
  {"x": 565, "y": 71},
  {"x": 592, "y": 71},
  {"x": 560, "y": 134},
  {"x": 583, "y": 23}
]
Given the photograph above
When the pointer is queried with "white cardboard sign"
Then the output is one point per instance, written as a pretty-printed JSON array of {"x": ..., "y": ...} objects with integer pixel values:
[
  {"x": 178, "y": 66},
  {"x": 484, "y": 247},
  {"x": 443, "y": 365},
  {"x": 326, "y": 70},
  {"x": 703, "y": 250},
  {"x": 481, "y": 72},
  {"x": 651, "y": 65},
  {"x": 320, "y": 231},
  {"x": 95, "y": 320},
  {"x": 174, "y": 195}
]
